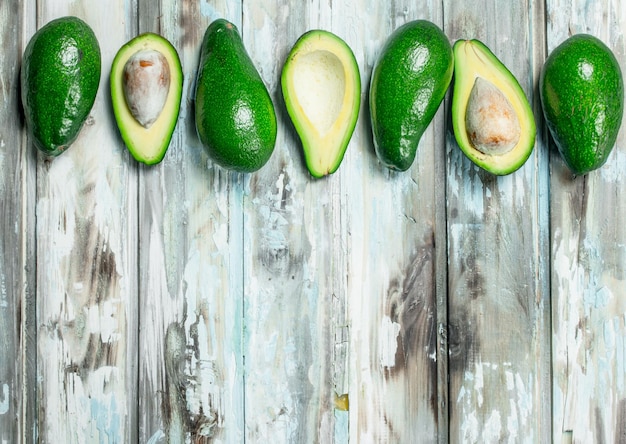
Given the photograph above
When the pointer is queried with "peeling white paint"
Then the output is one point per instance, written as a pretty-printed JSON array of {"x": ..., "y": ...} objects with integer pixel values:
[
  {"x": 492, "y": 429},
  {"x": 207, "y": 10},
  {"x": 5, "y": 400},
  {"x": 388, "y": 338},
  {"x": 613, "y": 171},
  {"x": 589, "y": 345},
  {"x": 470, "y": 427},
  {"x": 102, "y": 319},
  {"x": 2, "y": 162},
  {"x": 473, "y": 202},
  {"x": 500, "y": 420},
  {"x": 512, "y": 421},
  {"x": 94, "y": 412},
  {"x": 4, "y": 299},
  {"x": 157, "y": 437},
  {"x": 510, "y": 383}
]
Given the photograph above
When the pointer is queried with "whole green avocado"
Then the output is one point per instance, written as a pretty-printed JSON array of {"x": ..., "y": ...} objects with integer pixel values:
[
  {"x": 582, "y": 96},
  {"x": 409, "y": 82},
  {"x": 60, "y": 77},
  {"x": 235, "y": 117}
]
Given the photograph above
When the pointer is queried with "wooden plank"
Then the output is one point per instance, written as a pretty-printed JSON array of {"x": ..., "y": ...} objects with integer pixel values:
[
  {"x": 396, "y": 264},
  {"x": 14, "y": 369},
  {"x": 294, "y": 269},
  {"x": 588, "y": 256},
  {"x": 28, "y": 420},
  {"x": 181, "y": 302},
  {"x": 281, "y": 287},
  {"x": 190, "y": 228},
  {"x": 497, "y": 244},
  {"x": 86, "y": 266}
]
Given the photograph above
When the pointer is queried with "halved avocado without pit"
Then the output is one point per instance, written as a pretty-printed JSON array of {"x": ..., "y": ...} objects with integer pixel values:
[
  {"x": 321, "y": 85},
  {"x": 493, "y": 122},
  {"x": 146, "y": 90}
]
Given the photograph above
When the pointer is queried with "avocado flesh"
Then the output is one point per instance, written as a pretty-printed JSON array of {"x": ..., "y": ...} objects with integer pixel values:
[
  {"x": 582, "y": 97},
  {"x": 234, "y": 113},
  {"x": 148, "y": 141},
  {"x": 409, "y": 81},
  {"x": 60, "y": 77},
  {"x": 507, "y": 120},
  {"x": 321, "y": 85}
]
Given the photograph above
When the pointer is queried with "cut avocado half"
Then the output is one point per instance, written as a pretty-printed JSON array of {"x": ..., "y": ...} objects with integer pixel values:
[
  {"x": 321, "y": 85},
  {"x": 493, "y": 122},
  {"x": 146, "y": 90}
]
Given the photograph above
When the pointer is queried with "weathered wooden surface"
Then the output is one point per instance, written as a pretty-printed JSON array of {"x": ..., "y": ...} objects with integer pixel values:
[
  {"x": 14, "y": 292},
  {"x": 588, "y": 246},
  {"x": 190, "y": 363},
  {"x": 498, "y": 298},
  {"x": 185, "y": 303},
  {"x": 86, "y": 288}
]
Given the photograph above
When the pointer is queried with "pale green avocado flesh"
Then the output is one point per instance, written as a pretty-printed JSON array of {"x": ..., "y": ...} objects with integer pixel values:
[{"x": 321, "y": 85}]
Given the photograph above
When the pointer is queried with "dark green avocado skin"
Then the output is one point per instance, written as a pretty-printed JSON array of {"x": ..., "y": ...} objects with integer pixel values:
[
  {"x": 409, "y": 82},
  {"x": 582, "y": 96},
  {"x": 235, "y": 117},
  {"x": 60, "y": 77}
]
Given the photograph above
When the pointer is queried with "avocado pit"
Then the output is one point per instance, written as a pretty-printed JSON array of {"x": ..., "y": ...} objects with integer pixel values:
[
  {"x": 146, "y": 83},
  {"x": 490, "y": 120}
]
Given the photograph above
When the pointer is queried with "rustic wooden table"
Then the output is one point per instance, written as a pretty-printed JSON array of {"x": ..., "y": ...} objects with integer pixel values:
[{"x": 184, "y": 303}]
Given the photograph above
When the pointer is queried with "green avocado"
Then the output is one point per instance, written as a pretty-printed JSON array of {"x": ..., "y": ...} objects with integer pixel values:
[
  {"x": 235, "y": 117},
  {"x": 409, "y": 81},
  {"x": 60, "y": 77},
  {"x": 582, "y": 96},
  {"x": 493, "y": 122},
  {"x": 146, "y": 90},
  {"x": 321, "y": 86}
]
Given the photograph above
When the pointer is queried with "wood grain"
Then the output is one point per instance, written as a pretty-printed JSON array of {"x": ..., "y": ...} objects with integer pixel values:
[
  {"x": 86, "y": 267},
  {"x": 190, "y": 234},
  {"x": 185, "y": 303},
  {"x": 395, "y": 244},
  {"x": 498, "y": 298},
  {"x": 13, "y": 257},
  {"x": 588, "y": 257},
  {"x": 291, "y": 281}
]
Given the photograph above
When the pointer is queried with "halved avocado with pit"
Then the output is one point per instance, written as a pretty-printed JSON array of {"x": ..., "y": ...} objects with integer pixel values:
[
  {"x": 146, "y": 90},
  {"x": 493, "y": 122},
  {"x": 321, "y": 85}
]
